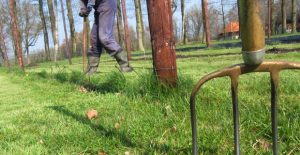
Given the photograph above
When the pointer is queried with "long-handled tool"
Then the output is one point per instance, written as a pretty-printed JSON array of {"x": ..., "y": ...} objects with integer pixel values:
[{"x": 253, "y": 47}]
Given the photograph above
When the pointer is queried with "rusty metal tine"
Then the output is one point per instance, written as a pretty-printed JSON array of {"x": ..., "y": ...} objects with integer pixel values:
[
  {"x": 235, "y": 108},
  {"x": 274, "y": 98},
  {"x": 234, "y": 71}
]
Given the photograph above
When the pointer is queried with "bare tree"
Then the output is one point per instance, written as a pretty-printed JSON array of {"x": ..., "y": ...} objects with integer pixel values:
[
  {"x": 139, "y": 28},
  {"x": 194, "y": 23},
  {"x": 206, "y": 21},
  {"x": 294, "y": 16},
  {"x": 72, "y": 27},
  {"x": 127, "y": 34},
  {"x": 3, "y": 46},
  {"x": 66, "y": 33},
  {"x": 223, "y": 17},
  {"x": 30, "y": 26},
  {"x": 184, "y": 23},
  {"x": 53, "y": 27},
  {"x": 16, "y": 32},
  {"x": 45, "y": 31},
  {"x": 283, "y": 15}
]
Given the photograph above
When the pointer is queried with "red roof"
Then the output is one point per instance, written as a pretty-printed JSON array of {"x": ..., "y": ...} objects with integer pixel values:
[{"x": 232, "y": 27}]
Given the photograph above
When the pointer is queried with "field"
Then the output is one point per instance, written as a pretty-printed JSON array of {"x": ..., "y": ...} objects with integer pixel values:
[{"x": 43, "y": 110}]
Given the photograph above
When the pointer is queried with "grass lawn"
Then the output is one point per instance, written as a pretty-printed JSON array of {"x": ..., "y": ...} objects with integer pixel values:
[{"x": 43, "y": 110}]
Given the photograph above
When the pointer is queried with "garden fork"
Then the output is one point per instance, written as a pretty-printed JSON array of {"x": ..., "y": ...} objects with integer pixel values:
[{"x": 253, "y": 47}]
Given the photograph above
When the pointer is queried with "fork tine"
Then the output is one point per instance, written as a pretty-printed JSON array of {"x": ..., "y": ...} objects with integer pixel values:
[
  {"x": 274, "y": 113},
  {"x": 234, "y": 93}
]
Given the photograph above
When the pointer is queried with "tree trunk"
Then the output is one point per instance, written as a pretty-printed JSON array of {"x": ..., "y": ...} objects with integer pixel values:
[
  {"x": 72, "y": 27},
  {"x": 294, "y": 16},
  {"x": 3, "y": 48},
  {"x": 16, "y": 32},
  {"x": 206, "y": 21},
  {"x": 66, "y": 33},
  {"x": 162, "y": 40},
  {"x": 269, "y": 18},
  {"x": 56, "y": 46},
  {"x": 283, "y": 11},
  {"x": 120, "y": 24},
  {"x": 53, "y": 26},
  {"x": 85, "y": 43},
  {"x": 183, "y": 23},
  {"x": 127, "y": 36},
  {"x": 139, "y": 28},
  {"x": 45, "y": 31},
  {"x": 223, "y": 17},
  {"x": 142, "y": 22}
]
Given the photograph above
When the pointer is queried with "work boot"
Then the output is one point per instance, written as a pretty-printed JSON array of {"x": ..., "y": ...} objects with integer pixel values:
[
  {"x": 93, "y": 63},
  {"x": 122, "y": 60}
]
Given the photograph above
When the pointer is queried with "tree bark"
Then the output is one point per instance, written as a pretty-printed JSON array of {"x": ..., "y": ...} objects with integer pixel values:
[
  {"x": 269, "y": 18},
  {"x": 183, "y": 23},
  {"x": 3, "y": 48},
  {"x": 120, "y": 24},
  {"x": 53, "y": 27},
  {"x": 72, "y": 27},
  {"x": 56, "y": 32},
  {"x": 16, "y": 32},
  {"x": 162, "y": 40},
  {"x": 294, "y": 16},
  {"x": 142, "y": 23},
  {"x": 139, "y": 28},
  {"x": 66, "y": 33},
  {"x": 223, "y": 17},
  {"x": 206, "y": 21},
  {"x": 45, "y": 31},
  {"x": 127, "y": 36},
  {"x": 283, "y": 11}
]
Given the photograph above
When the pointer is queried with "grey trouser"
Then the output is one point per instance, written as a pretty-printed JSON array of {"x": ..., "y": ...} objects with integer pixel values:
[{"x": 102, "y": 34}]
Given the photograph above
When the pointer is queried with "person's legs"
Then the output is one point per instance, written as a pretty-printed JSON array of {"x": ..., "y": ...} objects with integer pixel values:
[
  {"x": 107, "y": 10},
  {"x": 95, "y": 49}
]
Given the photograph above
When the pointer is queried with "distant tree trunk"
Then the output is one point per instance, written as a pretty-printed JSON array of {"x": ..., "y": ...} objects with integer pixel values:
[
  {"x": 45, "y": 31},
  {"x": 139, "y": 28},
  {"x": 56, "y": 46},
  {"x": 223, "y": 17},
  {"x": 16, "y": 32},
  {"x": 120, "y": 24},
  {"x": 163, "y": 42},
  {"x": 273, "y": 19},
  {"x": 206, "y": 21},
  {"x": 66, "y": 33},
  {"x": 3, "y": 48},
  {"x": 142, "y": 22},
  {"x": 283, "y": 11},
  {"x": 269, "y": 18},
  {"x": 53, "y": 27},
  {"x": 294, "y": 16},
  {"x": 127, "y": 34},
  {"x": 183, "y": 23},
  {"x": 72, "y": 27}
]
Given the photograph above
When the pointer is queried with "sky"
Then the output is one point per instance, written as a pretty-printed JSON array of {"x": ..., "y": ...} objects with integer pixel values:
[{"x": 79, "y": 23}]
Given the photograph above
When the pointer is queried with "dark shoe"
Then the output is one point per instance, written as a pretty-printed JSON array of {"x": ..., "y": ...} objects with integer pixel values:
[
  {"x": 93, "y": 63},
  {"x": 122, "y": 60}
]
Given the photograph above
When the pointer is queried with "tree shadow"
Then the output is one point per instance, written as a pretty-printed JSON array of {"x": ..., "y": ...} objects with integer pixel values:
[{"x": 99, "y": 129}]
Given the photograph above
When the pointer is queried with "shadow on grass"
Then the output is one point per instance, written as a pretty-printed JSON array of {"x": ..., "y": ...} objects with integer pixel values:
[{"x": 99, "y": 129}]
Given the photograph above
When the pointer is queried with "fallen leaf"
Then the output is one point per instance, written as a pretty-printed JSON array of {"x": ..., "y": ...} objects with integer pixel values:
[
  {"x": 117, "y": 126},
  {"x": 82, "y": 89},
  {"x": 91, "y": 114}
]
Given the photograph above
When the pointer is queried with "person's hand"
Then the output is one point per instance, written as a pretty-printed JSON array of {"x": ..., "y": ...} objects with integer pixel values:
[
  {"x": 84, "y": 13},
  {"x": 90, "y": 5}
]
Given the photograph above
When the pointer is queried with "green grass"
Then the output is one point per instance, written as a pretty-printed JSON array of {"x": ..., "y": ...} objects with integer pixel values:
[{"x": 43, "y": 110}]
